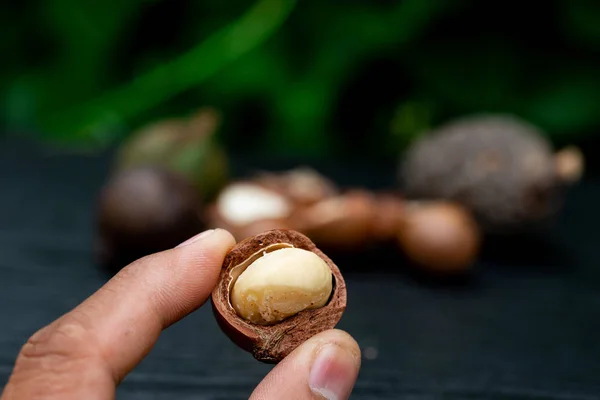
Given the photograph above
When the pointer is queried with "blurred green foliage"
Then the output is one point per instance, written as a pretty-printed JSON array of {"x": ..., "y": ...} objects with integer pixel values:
[{"x": 290, "y": 76}]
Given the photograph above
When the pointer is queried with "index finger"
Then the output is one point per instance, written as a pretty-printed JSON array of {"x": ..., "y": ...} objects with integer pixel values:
[{"x": 103, "y": 338}]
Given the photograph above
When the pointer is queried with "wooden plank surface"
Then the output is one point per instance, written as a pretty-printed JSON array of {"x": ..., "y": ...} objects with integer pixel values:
[{"x": 517, "y": 331}]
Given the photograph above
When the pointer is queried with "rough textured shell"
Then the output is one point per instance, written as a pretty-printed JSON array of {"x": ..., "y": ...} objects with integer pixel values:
[{"x": 499, "y": 166}]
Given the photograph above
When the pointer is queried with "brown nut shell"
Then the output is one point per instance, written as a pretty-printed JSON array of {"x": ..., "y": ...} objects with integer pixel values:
[
  {"x": 440, "y": 236},
  {"x": 271, "y": 343},
  {"x": 388, "y": 217},
  {"x": 304, "y": 186},
  {"x": 143, "y": 210},
  {"x": 338, "y": 223}
]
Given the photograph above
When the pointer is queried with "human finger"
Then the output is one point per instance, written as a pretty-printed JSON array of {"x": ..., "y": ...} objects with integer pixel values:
[
  {"x": 89, "y": 350},
  {"x": 324, "y": 367}
]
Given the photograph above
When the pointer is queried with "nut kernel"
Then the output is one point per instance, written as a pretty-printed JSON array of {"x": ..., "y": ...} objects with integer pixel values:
[
  {"x": 280, "y": 284},
  {"x": 246, "y": 203}
]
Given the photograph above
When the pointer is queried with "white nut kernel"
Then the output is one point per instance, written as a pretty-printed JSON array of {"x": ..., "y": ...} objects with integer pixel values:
[
  {"x": 280, "y": 284},
  {"x": 245, "y": 203}
]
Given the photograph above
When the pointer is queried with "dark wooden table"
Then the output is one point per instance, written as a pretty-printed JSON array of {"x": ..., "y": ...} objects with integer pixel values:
[{"x": 526, "y": 327}]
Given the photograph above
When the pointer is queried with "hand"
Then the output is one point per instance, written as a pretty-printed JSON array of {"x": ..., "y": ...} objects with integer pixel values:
[{"x": 87, "y": 352}]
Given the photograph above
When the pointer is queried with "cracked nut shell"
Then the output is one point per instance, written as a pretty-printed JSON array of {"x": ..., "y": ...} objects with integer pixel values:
[
  {"x": 343, "y": 222},
  {"x": 260, "y": 209},
  {"x": 271, "y": 343},
  {"x": 303, "y": 186}
]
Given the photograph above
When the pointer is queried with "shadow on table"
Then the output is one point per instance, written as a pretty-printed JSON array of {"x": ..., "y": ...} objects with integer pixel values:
[{"x": 532, "y": 252}]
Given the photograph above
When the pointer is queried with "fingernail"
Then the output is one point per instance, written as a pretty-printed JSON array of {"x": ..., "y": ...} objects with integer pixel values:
[
  {"x": 333, "y": 373},
  {"x": 196, "y": 238}
]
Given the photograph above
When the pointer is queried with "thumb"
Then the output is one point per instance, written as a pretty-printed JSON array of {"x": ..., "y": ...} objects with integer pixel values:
[{"x": 324, "y": 367}]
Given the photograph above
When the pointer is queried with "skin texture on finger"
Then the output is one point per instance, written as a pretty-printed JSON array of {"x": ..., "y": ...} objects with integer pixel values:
[
  {"x": 86, "y": 352},
  {"x": 324, "y": 367}
]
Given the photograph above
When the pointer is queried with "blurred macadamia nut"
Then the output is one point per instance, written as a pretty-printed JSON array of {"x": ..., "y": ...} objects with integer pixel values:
[
  {"x": 246, "y": 209},
  {"x": 339, "y": 222},
  {"x": 143, "y": 210},
  {"x": 439, "y": 236},
  {"x": 388, "y": 216},
  {"x": 302, "y": 185}
]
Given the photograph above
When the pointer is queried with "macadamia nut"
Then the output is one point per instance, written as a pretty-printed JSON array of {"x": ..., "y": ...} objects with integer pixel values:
[
  {"x": 244, "y": 203},
  {"x": 280, "y": 284}
]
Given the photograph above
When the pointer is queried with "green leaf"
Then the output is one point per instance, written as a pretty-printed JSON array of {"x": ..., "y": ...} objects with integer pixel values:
[
  {"x": 479, "y": 75},
  {"x": 171, "y": 78},
  {"x": 569, "y": 102},
  {"x": 581, "y": 19}
]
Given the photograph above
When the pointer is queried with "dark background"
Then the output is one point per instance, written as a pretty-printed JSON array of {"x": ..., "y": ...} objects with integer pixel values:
[{"x": 340, "y": 86}]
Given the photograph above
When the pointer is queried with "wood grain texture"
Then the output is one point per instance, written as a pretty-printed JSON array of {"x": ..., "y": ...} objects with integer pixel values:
[{"x": 525, "y": 328}]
